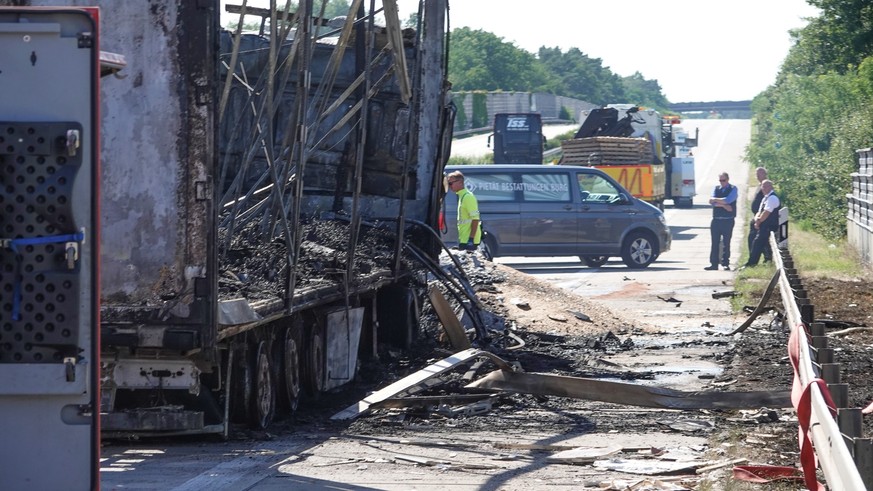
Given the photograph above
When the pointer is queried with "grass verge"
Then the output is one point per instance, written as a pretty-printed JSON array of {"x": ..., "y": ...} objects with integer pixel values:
[{"x": 813, "y": 257}]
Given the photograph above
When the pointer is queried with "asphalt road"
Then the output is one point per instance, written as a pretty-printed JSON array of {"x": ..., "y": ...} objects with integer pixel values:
[{"x": 288, "y": 462}]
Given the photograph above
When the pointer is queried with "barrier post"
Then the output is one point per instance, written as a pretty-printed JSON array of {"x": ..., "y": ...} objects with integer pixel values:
[
  {"x": 851, "y": 425},
  {"x": 863, "y": 455}
]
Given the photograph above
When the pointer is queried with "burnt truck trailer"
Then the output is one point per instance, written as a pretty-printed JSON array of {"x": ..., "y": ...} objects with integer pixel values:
[{"x": 265, "y": 201}]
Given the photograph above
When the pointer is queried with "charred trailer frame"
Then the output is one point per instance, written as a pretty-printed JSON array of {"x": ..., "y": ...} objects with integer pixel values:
[{"x": 263, "y": 192}]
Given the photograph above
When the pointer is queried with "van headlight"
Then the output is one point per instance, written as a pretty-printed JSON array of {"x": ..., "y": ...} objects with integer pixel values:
[{"x": 662, "y": 219}]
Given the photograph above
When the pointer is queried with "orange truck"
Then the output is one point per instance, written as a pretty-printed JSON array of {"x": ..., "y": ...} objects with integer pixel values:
[{"x": 644, "y": 152}]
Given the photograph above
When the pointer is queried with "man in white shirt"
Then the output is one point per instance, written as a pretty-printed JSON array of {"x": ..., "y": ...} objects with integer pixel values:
[{"x": 766, "y": 221}]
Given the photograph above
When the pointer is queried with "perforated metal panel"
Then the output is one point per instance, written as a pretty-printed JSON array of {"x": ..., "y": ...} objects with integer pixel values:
[
  {"x": 39, "y": 281},
  {"x": 49, "y": 357}
]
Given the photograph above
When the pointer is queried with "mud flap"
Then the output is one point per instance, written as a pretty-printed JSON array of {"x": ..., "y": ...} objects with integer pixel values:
[{"x": 49, "y": 355}]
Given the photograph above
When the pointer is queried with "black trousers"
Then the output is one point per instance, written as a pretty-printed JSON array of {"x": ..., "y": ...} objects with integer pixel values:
[
  {"x": 761, "y": 243},
  {"x": 753, "y": 232},
  {"x": 721, "y": 230}
]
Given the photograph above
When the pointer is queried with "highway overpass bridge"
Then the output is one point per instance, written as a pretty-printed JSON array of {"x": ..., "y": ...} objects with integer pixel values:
[{"x": 716, "y": 106}]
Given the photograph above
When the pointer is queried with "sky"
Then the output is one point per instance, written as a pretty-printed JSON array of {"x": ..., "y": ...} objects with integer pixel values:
[{"x": 697, "y": 50}]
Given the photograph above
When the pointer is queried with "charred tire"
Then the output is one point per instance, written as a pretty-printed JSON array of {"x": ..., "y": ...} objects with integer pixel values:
[
  {"x": 291, "y": 369},
  {"x": 594, "y": 261},
  {"x": 242, "y": 386},
  {"x": 313, "y": 369},
  {"x": 264, "y": 394},
  {"x": 638, "y": 250}
]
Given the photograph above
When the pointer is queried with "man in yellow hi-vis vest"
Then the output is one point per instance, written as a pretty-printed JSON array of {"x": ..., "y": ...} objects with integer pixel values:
[{"x": 469, "y": 224}]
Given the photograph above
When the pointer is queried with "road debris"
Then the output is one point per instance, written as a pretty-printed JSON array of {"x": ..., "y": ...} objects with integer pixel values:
[{"x": 629, "y": 394}]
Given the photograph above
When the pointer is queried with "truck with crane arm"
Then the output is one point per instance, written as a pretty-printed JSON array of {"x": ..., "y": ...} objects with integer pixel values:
[{"x": 648, "y": 154}]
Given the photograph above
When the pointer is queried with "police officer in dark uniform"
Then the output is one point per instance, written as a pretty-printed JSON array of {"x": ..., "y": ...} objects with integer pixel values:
[
  {"x": 761, "y": 174},
  {"x": 724, "y": 213},
  {"x": 766, "y": 221}
]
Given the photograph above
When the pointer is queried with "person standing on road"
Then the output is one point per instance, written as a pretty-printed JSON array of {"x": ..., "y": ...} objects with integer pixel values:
[
  {"x": 766, "y": 221},
  {"x": 724, "y": 212},
  {"x": 469, "y": 224},
  {"x": 761, "y": 174}
]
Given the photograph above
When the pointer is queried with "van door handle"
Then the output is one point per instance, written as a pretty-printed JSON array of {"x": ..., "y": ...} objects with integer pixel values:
[{"x": 568, "y": 207}]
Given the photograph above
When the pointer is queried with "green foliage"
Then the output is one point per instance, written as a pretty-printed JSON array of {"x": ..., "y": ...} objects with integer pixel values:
[
  {"x": 564, "y": 113},
  {"x": 331, "y": 9},
  {"x": 645, "y": 93},
  {"x": 480, "y": 110},
  {"x": 809, "y": 124},
  {"x": 465, "y": 160},
  {"x": 555, "y": 142},
  {"x": 816, "y": 256},
  {"x": 480, "y": 60},
  {"x": 808, "y": 128},
  {"x": 840, "y": 38}
]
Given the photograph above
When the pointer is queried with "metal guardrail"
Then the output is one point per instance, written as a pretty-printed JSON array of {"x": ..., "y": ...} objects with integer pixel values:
[
  {"x": 846, "y": 459},
  {"x": 549, "y": 154}
]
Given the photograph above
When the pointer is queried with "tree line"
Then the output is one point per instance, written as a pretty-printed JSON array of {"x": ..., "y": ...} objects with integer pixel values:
[
  {"x": 480, "y": 60},
  {"x": 808, "y": 125}
]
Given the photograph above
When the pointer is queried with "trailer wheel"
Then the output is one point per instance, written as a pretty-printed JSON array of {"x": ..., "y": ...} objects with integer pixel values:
[
  {"x": 264, "y": 400},
  {"x": 313, "y": 375},
  {"x": 242, "y": 389},
  {"x": 291, "y": 368}
]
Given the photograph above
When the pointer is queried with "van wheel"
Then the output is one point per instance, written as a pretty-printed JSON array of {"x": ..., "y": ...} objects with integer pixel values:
[
  {"x": 638, "y": 250},
  {"x": 594, "y": 261},
  {"x": 488, "y": 247}
]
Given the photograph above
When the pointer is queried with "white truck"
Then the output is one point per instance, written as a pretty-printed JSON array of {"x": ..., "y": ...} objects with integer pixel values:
[{"x": 679, "y": 158}]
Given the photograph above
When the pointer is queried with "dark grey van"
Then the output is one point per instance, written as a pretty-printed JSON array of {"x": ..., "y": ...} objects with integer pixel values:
[{"x": 559, "y": 210}]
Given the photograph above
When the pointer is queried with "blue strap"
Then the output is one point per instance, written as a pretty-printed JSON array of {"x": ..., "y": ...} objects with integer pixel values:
[{"x": 14, "y": 244}]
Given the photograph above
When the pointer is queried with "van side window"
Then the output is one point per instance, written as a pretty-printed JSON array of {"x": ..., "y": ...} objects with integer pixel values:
[
  {"x": 491, "y": 187},
  {"x": 596, "y": 189},
  {"x": 546, "y": 187}
]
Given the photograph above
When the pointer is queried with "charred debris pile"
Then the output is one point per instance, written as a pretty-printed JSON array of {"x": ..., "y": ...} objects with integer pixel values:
[{"x": 257, "y": 267}]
